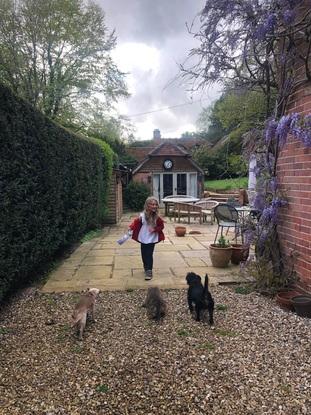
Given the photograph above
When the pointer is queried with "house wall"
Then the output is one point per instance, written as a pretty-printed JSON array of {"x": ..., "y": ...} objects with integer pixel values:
[
  {"x": 294, "y": 174},
  {"x": 143, "y": 177},
  {"x": 115, "y": 200},
  {"x": 155, "y": 165}
]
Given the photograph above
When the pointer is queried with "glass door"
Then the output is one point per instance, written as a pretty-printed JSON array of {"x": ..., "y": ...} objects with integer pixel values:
[
  {"x": 181, "y": 183},
  {"x": 167, "y": 184},
  {"x": 193, "y": 184}
]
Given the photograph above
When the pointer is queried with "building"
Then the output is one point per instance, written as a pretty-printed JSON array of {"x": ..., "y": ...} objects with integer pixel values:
[{"x": 167, "y": 168}]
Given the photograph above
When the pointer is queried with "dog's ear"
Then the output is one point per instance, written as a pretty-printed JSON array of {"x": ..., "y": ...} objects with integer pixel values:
[
  {"x": 197, "y": 278},
  {"x": 94, "y": 291},
  {"x": 192, "y": 277}
]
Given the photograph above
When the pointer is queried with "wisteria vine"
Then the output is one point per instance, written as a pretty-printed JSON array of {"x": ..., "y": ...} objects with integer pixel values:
[{"x": 258, "y": 45}]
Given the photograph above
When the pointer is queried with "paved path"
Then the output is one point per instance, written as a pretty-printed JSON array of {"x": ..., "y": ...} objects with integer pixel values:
[{"x": 102, "y": 263}]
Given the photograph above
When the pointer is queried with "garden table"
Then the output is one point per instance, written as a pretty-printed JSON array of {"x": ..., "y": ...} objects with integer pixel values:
[{"x": 169, "y": 201}]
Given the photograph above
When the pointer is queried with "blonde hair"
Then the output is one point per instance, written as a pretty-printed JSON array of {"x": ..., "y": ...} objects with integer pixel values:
[{"x": 151, "y": 217}]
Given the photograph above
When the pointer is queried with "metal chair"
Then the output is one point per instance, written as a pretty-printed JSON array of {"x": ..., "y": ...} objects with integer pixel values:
[{"x": 227, "y": 217}]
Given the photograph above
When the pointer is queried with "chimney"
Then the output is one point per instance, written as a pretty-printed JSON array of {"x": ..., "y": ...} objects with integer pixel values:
[{"x": 157, "y": 136}]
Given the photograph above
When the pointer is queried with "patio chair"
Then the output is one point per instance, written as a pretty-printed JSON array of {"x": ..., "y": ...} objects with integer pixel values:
[
  {"x": 208, "y": 207},
  {"x": 187, "y": 210},
  {"x": 227, "y": 217}
]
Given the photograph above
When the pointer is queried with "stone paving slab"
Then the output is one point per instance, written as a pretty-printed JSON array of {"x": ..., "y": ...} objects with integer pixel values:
[
  {"x": 101, "y": 252},
  {"x": 104, "y": 264}
]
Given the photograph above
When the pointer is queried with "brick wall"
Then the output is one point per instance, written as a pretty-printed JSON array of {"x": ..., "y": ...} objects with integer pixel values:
[
  {"x": 294, "y": 174},
  {"x": 115, "y": 201}
]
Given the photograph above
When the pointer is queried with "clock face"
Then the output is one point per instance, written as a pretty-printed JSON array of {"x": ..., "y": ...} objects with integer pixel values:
[{"x": 168, "y": 164}]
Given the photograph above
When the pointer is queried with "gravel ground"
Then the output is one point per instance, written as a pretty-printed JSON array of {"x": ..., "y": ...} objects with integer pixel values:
[{"x": 256, "y": 361}]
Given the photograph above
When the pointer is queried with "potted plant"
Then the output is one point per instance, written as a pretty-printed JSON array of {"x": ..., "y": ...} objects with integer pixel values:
[
  {"x": 220, "y": 253},
  {"x": 285, "y": 298},
  {"x": 180, "y": 230},
  {"x": 302, "y": 305},
  {"x": 239, "y": 253}
]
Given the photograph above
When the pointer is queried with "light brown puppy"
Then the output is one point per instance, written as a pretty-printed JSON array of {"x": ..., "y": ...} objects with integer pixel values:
[
  {"x": 155, "y": 304},
  {"x": 85, "y": 305}
]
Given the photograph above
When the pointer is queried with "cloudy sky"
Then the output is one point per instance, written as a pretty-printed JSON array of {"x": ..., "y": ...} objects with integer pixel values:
[{"x": 152, "y": 39}]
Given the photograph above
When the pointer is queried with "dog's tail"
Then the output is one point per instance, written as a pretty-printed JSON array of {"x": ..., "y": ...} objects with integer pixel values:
[{"x": 205, "y": 284}]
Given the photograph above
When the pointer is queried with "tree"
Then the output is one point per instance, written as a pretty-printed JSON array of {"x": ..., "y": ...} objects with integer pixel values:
[
  {"x": 231, "y": 116},
  {"x": 188, "y": 134},
  {"x": 209, "y": 125},
  {"x": 252, "y": 45},
  {"x": 56, "y": 54}
]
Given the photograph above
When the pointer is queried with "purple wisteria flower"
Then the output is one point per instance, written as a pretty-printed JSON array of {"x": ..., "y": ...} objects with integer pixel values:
[
  {"x": 273, "y": 184},
  {"x": 278, "y": 202},
  {"x": 270, "y": 161},
  {"x": 283, "y": 129},
  {"x": 301, "y": 128},
  {"x": 269, "y": 215},
  {"x": 264, "y": 234},
  {"x": 271, "y": 127},
  {"x": 271, "y": 23},
  {"x": 259, "y": 202},
  {"x": 289, "y": 17},
  {"x": 249, "y": 236}
]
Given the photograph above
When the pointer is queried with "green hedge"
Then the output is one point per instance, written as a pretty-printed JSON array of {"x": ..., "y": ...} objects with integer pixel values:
[
  {"x": 108, "y": 161},
  {"x": 135, "y": 195},
  {"x": 52, "y": 189}
]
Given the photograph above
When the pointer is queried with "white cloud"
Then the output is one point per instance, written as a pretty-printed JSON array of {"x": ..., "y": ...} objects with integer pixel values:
[
  {"x": 133, "y": 56},
  {"x": 151, "y": 40}
]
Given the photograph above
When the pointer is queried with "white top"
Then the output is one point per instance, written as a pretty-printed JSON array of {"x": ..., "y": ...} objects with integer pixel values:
[{"x": 145, "y": 236}]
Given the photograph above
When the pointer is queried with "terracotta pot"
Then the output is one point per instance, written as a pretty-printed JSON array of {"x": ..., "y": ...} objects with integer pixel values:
[
  {"x": 220, "y": 257},
  {"x": 302, "y": 304},
  {"x": 239, "y": 253},
  {"x": 180, "y": 230},
  {"x": 285, "y": 299}
]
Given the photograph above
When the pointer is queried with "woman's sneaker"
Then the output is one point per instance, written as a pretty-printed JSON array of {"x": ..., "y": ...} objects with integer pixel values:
[{"x": 148, "y": 274}]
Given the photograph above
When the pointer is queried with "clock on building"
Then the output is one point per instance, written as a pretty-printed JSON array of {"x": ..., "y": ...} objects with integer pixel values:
[{"x": 167, "y": 164}]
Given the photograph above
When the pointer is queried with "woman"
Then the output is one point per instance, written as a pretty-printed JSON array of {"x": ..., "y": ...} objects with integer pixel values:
[{"x": 148, "y": 230}]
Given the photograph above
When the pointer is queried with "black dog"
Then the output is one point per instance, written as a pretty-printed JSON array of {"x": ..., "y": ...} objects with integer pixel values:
[{"x": 200, "y": 296}]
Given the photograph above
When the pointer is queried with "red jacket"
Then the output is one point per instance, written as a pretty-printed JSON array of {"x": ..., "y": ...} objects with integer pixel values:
[{"x": 137, "y": 224}]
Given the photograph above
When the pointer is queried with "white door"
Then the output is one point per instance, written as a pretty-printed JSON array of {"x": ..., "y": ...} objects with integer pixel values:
[
  {"x": 156, "y": 186},
  {"x": 193, "y": 184}
]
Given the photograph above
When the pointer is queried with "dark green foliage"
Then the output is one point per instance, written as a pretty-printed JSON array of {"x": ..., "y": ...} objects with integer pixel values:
[
  {"x": 135, "y": 195},
  {"x": 221, "y": 163},
  {"x": 140, "y": 143},
  {"x": 244, "y": 289},
  {"x": 128, "y": 160},
  {"x": 108, "y": 162},
  {"x": 51, "y": 187}
]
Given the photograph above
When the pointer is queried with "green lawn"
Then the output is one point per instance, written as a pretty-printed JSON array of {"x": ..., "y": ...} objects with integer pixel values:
[{"x": 226, "y": 184}]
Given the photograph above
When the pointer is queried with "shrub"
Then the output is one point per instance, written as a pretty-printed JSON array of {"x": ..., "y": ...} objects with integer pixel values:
[
  {"x": 222, "y": 242},
  {"x": 135, "y": 195},
  {"x": 51, "y": 185},
  {"x": 108, "y": 161}
]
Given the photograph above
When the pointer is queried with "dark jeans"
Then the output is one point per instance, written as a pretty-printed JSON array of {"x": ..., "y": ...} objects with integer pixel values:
[{"x": 147, "y": 255}]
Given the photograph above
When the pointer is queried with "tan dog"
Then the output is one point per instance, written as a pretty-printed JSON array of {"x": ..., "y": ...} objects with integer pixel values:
[{"x": 85, "y": 305}]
